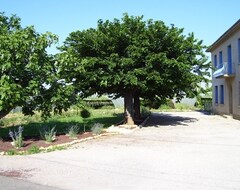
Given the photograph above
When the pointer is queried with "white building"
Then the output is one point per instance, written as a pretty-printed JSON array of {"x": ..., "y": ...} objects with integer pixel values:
[{"x": 225, "y": 54}]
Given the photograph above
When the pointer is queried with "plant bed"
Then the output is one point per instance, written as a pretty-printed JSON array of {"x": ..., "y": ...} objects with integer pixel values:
[{"x": 6, "y": 148}]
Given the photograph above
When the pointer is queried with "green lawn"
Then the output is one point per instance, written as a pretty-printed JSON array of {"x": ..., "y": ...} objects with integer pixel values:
[{"x": 32, "y": 124}]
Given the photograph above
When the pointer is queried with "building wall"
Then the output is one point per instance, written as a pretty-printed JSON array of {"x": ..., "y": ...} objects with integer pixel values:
[{"x": 228, "y": 82}]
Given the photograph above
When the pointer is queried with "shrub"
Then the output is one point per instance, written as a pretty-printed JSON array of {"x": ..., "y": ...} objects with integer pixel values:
[
  {"x": 145, "y": 111},
  {"x": 48, "y": 134},
  {"x": 85, "y": 113},
  {"x": 73, "y": 131},
  {"x": 170, "y": 104},
  {"x": 1, "y": 123},
  {"x": 17, "y": 137},
  {"x": 11, "y": 152},
  {"x": 97, "y": 128},
  {"x": 33, "y": 150}
]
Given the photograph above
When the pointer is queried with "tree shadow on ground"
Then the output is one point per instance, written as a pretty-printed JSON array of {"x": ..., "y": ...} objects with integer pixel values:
[{"x": 166, "y": 119}]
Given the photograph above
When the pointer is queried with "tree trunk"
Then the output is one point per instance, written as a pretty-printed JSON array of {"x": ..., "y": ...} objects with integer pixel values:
[
  {"x": 3, "y": 113},
  {"x": 128, "y": 108},
  {"x": 137, "y": 110}
]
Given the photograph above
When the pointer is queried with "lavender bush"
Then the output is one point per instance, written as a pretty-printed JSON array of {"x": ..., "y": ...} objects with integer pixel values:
[
  {"x": 97, "y": 128},
  {"x": 17, "y": 137}
]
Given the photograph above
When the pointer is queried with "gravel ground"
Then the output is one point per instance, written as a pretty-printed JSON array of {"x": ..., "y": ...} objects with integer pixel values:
[{"x": 181, "y": 150}]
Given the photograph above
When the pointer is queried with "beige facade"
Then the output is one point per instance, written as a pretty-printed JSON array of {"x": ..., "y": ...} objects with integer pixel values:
[{"x": 225, "y": 54}]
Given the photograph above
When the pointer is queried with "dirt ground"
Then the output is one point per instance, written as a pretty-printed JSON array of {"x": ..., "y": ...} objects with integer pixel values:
[{"x": 6, "y": 145}]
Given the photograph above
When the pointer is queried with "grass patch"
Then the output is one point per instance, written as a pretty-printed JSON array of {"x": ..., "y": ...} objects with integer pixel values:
[{"x": 178, "y": 108}]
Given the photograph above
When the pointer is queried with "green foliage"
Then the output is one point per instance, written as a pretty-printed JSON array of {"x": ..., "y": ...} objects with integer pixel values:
[
  {"x": 32, "y": 124},
  {"x": 178, "y": 107},
  {"x": 133, "y": 56},
  {"x": 17, "y": 137},
  {"x": 54, "y": 148},
  {"x": 48, "y": 134},
  {"x": 73, "y": 131},
  {"x": 97, "y": 128},
  {"x": 85, "y": 113},
  {"x": 99, "y": 103},
  {"x": 12, "y": 152},
  {"x": 145, "y": 111},
  {"x": 1, "y": 123},
  {"x": 184, "y": 107},
  {"x": 170, "y": 104},
  {"x": 28, "y": 75},
  {"x": 33, "y": 150}
]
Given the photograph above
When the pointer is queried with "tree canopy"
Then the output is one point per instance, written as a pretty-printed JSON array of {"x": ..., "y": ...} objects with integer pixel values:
[
  {"x": 134, "y": 58},
  {"x": 28, "y": 75}
]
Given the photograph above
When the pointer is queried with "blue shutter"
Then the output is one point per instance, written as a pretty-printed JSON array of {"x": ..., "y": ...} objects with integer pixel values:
[
  {"x": 221, "y": 94},
  {"x": 216, "y": 94},
  {"x": 239, "y": 50},
  {"x": 220, "y": 59},
  {"x": 215, "y": 61},
  {"x": 229, "y": 59}
]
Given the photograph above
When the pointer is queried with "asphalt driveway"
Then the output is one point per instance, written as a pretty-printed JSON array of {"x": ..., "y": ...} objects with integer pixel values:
[{"x": 182, "y": 151}]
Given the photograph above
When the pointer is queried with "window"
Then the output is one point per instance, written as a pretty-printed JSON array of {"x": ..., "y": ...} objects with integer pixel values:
[
  {"x": 239, "y": 50},
  {"x": 221, "y": 94},
  {"x": 220, "y": 60},
  {"x": 215, "y": 61},
  {"x": 216, "y": 94}
]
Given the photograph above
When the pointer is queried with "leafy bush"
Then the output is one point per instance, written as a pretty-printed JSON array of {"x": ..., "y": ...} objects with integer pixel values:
[
  {"x": 1, "y": 123},
  {"x": 97, "y": 128},
  {"x": 11, "y": 152},
  {"x": 145, "y": 111},
  {"x": 73, "y": 131},
  {"x": 48, "y": 134},
  {"x": 85, "y": 113},
  {"x": 33, "y": 150},
  {"x": 17, "y": 137},
  {"x": 170, "y": 104}
]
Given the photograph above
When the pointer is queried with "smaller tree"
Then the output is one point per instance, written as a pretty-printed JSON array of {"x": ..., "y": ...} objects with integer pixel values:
[{"x": 28, "y": 75}]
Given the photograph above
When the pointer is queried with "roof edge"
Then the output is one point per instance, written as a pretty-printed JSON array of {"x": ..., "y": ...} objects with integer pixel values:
[{"x": 225, "y": 35}]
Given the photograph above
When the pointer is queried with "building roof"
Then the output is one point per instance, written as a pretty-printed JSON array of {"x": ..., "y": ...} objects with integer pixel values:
[{"x": 225, "y": 36}]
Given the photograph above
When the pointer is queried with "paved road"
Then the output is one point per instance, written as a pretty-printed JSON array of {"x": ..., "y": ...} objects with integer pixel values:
[
  {"x": 7, "y": 183},
  {"x": 177, "y": 151}
]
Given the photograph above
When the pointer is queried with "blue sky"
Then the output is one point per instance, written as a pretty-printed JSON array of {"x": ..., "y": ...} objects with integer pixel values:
[{"x": 208, "y": 19}]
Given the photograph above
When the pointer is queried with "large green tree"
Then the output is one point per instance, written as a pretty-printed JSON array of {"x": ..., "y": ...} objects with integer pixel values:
[
  {"x": 28, "y": 75},
  {"x": 134, "y": 59}
]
